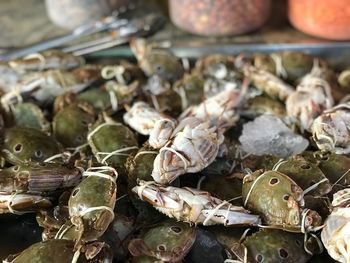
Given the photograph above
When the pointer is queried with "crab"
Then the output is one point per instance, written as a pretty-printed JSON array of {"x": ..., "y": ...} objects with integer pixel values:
[
  {"x": 194, "y": 146},
  {"x": 193, "y": 206},
  {"x": 331, "y": 130},
  {"x": 336, "y": 233}
]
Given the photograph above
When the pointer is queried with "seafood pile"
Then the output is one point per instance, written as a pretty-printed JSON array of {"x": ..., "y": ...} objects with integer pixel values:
[{"x": 223, "y": 159}]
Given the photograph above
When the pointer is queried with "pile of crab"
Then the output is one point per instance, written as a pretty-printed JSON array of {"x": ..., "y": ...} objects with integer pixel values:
[{"x": 224, "y": 159}]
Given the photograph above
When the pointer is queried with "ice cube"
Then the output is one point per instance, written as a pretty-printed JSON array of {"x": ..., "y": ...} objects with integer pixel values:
[{"x": 268, "y": 134}]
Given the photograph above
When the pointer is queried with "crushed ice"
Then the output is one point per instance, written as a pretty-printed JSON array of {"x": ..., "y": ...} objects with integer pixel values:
[{"x": 268, "y": 134}]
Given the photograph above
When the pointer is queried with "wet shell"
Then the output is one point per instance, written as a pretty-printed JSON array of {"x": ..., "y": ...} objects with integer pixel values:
[
  {"x": 274, "y": 196},
  {"x": 272, "y": 245},
  {"x": 305, "y": 174},
  {"x": 91, "y": 205},
  {"x": 27, "y": 144},
  {"x": 30, "y": 115},
  {"x": 169, "y": 241},
  {"x": 112, "y": 143},
  {"x": 70, "y": 125}
]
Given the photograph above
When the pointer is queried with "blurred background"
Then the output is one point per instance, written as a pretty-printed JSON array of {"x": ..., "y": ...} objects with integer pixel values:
[{"x": 205, "y": 26}]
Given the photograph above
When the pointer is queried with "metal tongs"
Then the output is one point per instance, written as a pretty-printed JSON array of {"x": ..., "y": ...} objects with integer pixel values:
[{"x": 121, "y": 27}]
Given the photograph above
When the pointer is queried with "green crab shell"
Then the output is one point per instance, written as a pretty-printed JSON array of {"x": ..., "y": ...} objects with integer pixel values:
[
  {"x": 144, "y": 259},
  {"x": 296, "y": 64},
  {"x": 230, "y": 238},
  {"x": 163, "y": 63},
  {"x": 105, "y": 138},
  {"x": 336, "y": 167},
  {"x": 305, "y": 174},
  {"x": 22, "y": 145},
  {"x": 140, "y": 165},
  {"x": 223, "y": 187},
  {"x": 70, "y": 125},
  {"x": 60, "y": 250},
  {"x": 272, "y": 245},
  {"x": 264, "y": 105},
  {"x": 54, "y": 251},
  {"x": 191, "y": 89},
  {"x": 98, "y": 98},
  {"x": 344, "y": 79},
  {"x": 95, "y": 194},
  {"x": 169, "y": 241},
  {"x": 30, "y": 115},
  {"x": 255, "y": 162},
  {"x": 264, "y": 62},
  {"x": 169, "y": 102},
  {"x": 274, "y": 196},
  {"x": 207, "y": 65}
]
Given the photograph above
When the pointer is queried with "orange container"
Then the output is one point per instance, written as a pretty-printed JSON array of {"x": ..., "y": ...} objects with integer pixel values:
[{"x": 322, "y": 18}]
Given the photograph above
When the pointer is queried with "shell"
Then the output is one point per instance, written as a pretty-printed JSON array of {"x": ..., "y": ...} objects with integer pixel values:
[
  {"x": 169, "y": 241},
  {"x": 58, "y": 251},
  {"x": 305, "y": 174},
  {"x": 30, "y": 115},
  {"x": 335, "y": 235},
  {"x": 140, "y": 166},
  {"x": 312, "y": 96},
  {"x": 156, "y": 61},
  {"x": 92, "y": 202},
  {"x": 272, "y": 245},
  {"x": 70, "y": 125},
  {"x": 190, "y": 89},
  {"x": 268, "y": 83},
  {"x": 44, "y": 178},
  {"x": 49, "y": 59},
  {"x": 263, "y": 105},
  {"x": 112, "y": 143},
  {"x": 331, "y": 130},
  {"x": 277, "y": 198},
  {"x": 335, "y": 167},
  {"x": 22, "y": 145},
  {"x": 142, "y": 118},
  {"x": 198, "y": 144}
]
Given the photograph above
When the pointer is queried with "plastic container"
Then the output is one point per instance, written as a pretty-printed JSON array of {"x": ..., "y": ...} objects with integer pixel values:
[
  {"x": 70, "y": 14},
  {"x": 322, "y": 18},
  {"x": 219, "y": 17}
]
